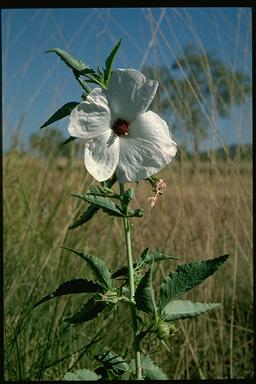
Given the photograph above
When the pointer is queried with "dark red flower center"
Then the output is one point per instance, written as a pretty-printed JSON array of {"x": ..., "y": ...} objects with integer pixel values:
[{"x": 120, "y": 127}]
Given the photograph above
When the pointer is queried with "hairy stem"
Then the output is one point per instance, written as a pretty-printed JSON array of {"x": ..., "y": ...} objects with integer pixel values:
[{"x": 136, "y": 344}]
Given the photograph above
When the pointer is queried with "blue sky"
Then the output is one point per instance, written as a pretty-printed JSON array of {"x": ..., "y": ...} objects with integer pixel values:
[{"x": 35, "y": 84}]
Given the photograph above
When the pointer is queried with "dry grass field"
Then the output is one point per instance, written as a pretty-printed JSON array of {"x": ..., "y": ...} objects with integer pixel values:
[{"x": 205, "y": 212}]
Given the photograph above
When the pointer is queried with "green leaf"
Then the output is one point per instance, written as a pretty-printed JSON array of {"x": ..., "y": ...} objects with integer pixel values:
[
  {"x": 145, "y": 258},
  {"x": 113, "y": 362},
  {"x": 98, "y": 267},
  {"x": 71, "y": 287},
  {"x": 90, "y": 310},
  {"x": 102, "y": 202},
  {"x": 186, "y": 277},
  {"x": 142, "y": 256},
  {"x": 92, "y": 209},
  {"x": 127, "y": 196},
  {"x": 136, "y": 213},
  {"x": 64, "y": 111},
  {"x": 144, "y": 295},
  {"x": 109, "y": 62},
  {"x": 123, "y": 271},
  {"x": 182, "y": 309},
  {"x": 83, "y": 84},
  {"x": 110, "y": 182},
  {"x": 69, "y": 60},
  {"x": 86, "y": 216},
  {"x": 150, "y": 371},
  {"x": 68, "y": 140},
  {"x": 156, "y": 256},
  {"x": 94, "y": 189},
  {"x": 81, "y": 374}
]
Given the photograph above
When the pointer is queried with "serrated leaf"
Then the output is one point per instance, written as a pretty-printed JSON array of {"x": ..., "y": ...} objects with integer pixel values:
[
  {"x": 81, "y": 374},
  {"x": 69, "y": 60},
  {"x": 113, "y": 362},
  {"x": 150, "y": 371},
  {"x": 98, "y": 267},
  {"x": 64, "y": 111},
  {"x": 92, "y": 209},
  {"x": 86, "y": 216},
  {"x": 109, "y": 62},
  {"x": 72, "y": 287},
  {"x": 90, "y": 311},
  {"x": 182, "y": 309},
  {"x": 144, "y": 295},
  {"x": 186, "y": 277},
  {"x": 104, "y": 203},
  {"x": 95, "y": 189}
]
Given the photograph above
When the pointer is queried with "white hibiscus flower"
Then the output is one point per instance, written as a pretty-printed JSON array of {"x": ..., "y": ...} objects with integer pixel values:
[{"x": 120, "y": 134}]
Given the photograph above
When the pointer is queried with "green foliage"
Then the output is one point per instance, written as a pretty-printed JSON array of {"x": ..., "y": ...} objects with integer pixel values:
[
  {"x": 183, "y": 309},
  {"x": 186, "y": 277},
  {"x": 136, "y": 213},
  {"x": 102, "y": 202},
  {"x": 86, "y": 216},
  {"x": 95, "y": 189},
  {"x": 128, "y": 196},
  {"x": 71, "y": 287},
  {"x": 113, "y": 367},
  {"x": 109, "y": 62},
  {"x": 150, "y": 371},
  {"x": 83, "y": 84},
  {"x": 144, "y": 254},
  {"x": 82, "y": 374},
  {"x": 62, "y": 112},
  {"x": 144, "y": 295},
  {"x": 69, "y": 60},
  {"x": 93, "y": 208},
  {"x": 90, "y": 310},
  {"x": 80, "y": 69},
  {"x": 164, "y": 330},
  {"x": 98, "y": 267},
  {"x": 145, "y": 258}
]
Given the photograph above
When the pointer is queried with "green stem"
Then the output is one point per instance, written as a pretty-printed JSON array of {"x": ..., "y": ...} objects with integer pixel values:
[{"x": 136, "y": 344}]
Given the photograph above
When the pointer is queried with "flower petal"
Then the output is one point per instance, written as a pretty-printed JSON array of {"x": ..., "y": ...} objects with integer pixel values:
[
  {"x": 101, "y": 155},
  {"x": 129, "y": 94},
  {"x": 90, "y": 118},
  {"x": 146, "y": 150}
]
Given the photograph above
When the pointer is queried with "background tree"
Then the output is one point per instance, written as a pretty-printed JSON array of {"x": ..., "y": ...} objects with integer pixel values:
[{"x": 196, "y": 85}]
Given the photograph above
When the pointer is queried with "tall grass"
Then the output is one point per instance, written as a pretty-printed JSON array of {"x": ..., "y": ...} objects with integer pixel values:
[
  {"x": 205, "y": 212},
  {"x": 205, "y": 217}
]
